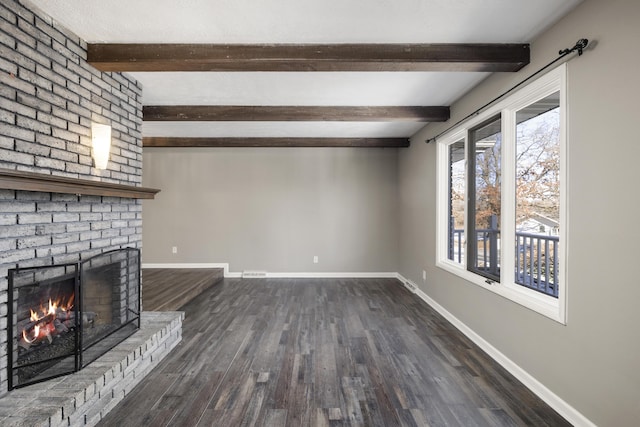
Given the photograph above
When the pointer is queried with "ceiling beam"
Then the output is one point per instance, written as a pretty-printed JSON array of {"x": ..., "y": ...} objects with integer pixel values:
[
  {"x": 308, "y": 57},
  {"x": 233, "y": 113},
  {"x": 275, "y": 142}
]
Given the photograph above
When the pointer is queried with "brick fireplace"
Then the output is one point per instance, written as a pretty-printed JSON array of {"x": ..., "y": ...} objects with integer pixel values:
[
  {"x": 49, "y": 96},
  {"x": 57, "y": 209}
]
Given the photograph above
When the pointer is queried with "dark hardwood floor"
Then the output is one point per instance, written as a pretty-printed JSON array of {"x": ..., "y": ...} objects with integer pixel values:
[{"x": 315, "y": 352}]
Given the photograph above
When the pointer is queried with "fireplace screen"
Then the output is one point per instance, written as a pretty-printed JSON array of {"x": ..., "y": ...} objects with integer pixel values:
[{"x": 63, "y": 317}]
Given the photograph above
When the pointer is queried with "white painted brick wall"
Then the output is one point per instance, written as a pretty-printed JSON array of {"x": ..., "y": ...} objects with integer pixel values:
[{"x": 49, "y": 95}]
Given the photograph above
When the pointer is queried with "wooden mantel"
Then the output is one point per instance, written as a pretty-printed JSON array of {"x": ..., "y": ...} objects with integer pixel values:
[{"x": 30, "y": 181}]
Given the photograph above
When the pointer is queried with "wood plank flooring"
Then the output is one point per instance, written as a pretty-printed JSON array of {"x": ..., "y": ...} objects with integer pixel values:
[
  {"x": 316, "y": 352},
  {"x": 169, "y": 289}
]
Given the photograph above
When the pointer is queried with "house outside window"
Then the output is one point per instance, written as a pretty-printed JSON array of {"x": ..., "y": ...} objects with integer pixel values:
[{"x": 501, "y": 197}]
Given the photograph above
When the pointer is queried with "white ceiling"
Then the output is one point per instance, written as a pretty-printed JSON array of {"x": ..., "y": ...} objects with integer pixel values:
[{"x": 303, "y": 21}]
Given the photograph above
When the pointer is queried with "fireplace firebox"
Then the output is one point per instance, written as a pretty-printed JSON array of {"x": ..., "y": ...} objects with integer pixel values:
[{"x": 64, "y": 317}]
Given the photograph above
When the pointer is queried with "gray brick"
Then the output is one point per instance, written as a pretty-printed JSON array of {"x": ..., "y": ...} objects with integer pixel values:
[
  {"x": 34, "y": 125},
  {"x": 8, "y": 219},
  {"x": 7, "y": 117},
  {"x": 45, "y": 162},
  {"x": 100, "y": 207},
  {"x": 17, "y": 33},
  {"x": 50, "y": 141},
  {"x": 52, "y": 120},
  {"x": 79, "y": 129},
  {"x": 90, "y": 216},
  {"x": 46, "y": 28},
  {"x": 78, "y": 246},
  {"x": 51, "y": 75},
  {"x": 64, "y": 155},
  {"x": 66, "y": 135},
  {"x": 91, "y": 235},
  {"x": 78, "y": 226},
  {"x": 50, "y": 251},
  {"x": 100, "y": 225},
  {"x": 16, "y": 157},
  {"x": 32, "y": 54},
  {"x": 66, "y": 217},
  {"x": 32, "y": 148},
  {"x": 53, "y": 229},
  {"x": 94, "y": 108},
  {"x": 25, "y": 14},
  {"x": 35, "y": 79},
  {"x": 24, "y": 105},
  {"x": 79, "y": 148},
  {"x": 65, "y": 114},
  {"x": 34, "y": 218},
  {"x": 8, "y": 144},
  {"x": 120, "y": 224},
  {"x": 7, "y": 245},
  {"x": 65, "y": 238},
  {"x": 17, "y": 256},
  {"x": 61, "y": 197},
  {"x": 8, "y": 67},
  {"x": 55, "y": 55},
  {"x": 33, "y": 196},
  {"x": 17, "y": 58},
  {"x": 79, "y": 169},
  {"x": 54, "y": 97},
  {"x": 17, "y": 207},
  {"x": 32, "y": 242},
  {"x": 8, "y": 15},
  {"x": 7, "y": 40},
  {"x": 30, "y": 29},
  {"x": 51, "y": 206}
]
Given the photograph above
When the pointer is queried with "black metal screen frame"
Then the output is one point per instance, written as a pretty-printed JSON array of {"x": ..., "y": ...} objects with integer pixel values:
[
  {"x": 11, "y": 334},
  {"x": 78, "y": 310},
  {"x": 135, "y": 320}
]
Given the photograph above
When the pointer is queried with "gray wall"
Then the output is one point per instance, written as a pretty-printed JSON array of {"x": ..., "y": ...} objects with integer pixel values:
[
  {"x": 592, "y": 362},
  {"x": 273, "y": 209}
]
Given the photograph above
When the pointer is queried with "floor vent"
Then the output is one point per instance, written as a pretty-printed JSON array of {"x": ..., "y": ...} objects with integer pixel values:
[
  {"x": 254, "y": 274},
  {"x": 410, "y": 286}
]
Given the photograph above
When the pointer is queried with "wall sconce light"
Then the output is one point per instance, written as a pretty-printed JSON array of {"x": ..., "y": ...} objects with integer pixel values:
[{"x": 101, "y": 141}]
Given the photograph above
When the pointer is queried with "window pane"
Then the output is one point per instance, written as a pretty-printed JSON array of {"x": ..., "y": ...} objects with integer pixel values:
[
  {"x": 484, "y": 242},
  {"x": 538, "y": 195},
  {"x": 457, "y": 184}
]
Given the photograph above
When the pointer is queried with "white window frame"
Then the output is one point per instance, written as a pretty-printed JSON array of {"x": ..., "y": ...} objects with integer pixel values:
[{"x": 553, "y": 308}]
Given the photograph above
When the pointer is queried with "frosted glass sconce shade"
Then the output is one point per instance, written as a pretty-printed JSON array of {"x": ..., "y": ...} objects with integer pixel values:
[{"x": 101, "y": 141}]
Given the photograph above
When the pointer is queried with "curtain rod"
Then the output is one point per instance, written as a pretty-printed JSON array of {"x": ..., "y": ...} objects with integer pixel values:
[{"x": 579, "y": 47}]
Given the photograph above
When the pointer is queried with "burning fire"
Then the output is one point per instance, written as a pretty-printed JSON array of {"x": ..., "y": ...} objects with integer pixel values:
[{"x": 47, "y": 321}]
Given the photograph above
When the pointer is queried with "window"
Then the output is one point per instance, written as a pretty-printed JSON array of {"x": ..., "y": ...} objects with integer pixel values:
[{"x": 501, "y": 197}]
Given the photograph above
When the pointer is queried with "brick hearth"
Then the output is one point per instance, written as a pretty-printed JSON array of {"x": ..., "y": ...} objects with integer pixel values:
[{"x": 85, "y": 397}]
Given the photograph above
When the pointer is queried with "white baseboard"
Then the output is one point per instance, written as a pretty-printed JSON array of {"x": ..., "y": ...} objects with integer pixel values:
[
  {"x": 343, "y": 275},
  {"x": 549, "y": 397},
  {"x": 222, "y": 265}
]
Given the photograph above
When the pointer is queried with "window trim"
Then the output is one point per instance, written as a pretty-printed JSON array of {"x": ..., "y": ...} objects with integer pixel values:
[{"x": 553, "y": 308}]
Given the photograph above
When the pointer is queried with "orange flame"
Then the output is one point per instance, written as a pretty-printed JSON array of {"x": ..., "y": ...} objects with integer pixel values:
[{"x": 41, "y": 331}]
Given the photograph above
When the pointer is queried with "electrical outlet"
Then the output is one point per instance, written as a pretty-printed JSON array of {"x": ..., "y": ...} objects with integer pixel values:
[
  {"x": 174, "y": 250},
  {"x": 315, "y": 259},
  {"x": 424, "y": 276}
]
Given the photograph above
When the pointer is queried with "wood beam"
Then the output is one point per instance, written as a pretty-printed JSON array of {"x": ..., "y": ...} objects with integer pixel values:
[
  {"x": 308, "y": 57},
  {"x": 232, "y": 113},
  {"x": 275, "y": 142}
]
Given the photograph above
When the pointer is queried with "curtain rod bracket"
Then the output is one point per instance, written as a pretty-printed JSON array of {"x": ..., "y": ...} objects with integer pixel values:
[{"x": 580, "y": 46}]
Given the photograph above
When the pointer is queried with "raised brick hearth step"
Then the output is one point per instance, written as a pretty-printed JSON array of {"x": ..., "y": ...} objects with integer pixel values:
[
  {"x": 170, "y": 288},
  {"x": 85, "y": 397}
]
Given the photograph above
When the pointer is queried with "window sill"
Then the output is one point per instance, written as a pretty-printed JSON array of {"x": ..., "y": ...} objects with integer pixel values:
[{"x": 541, "y": 304}]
